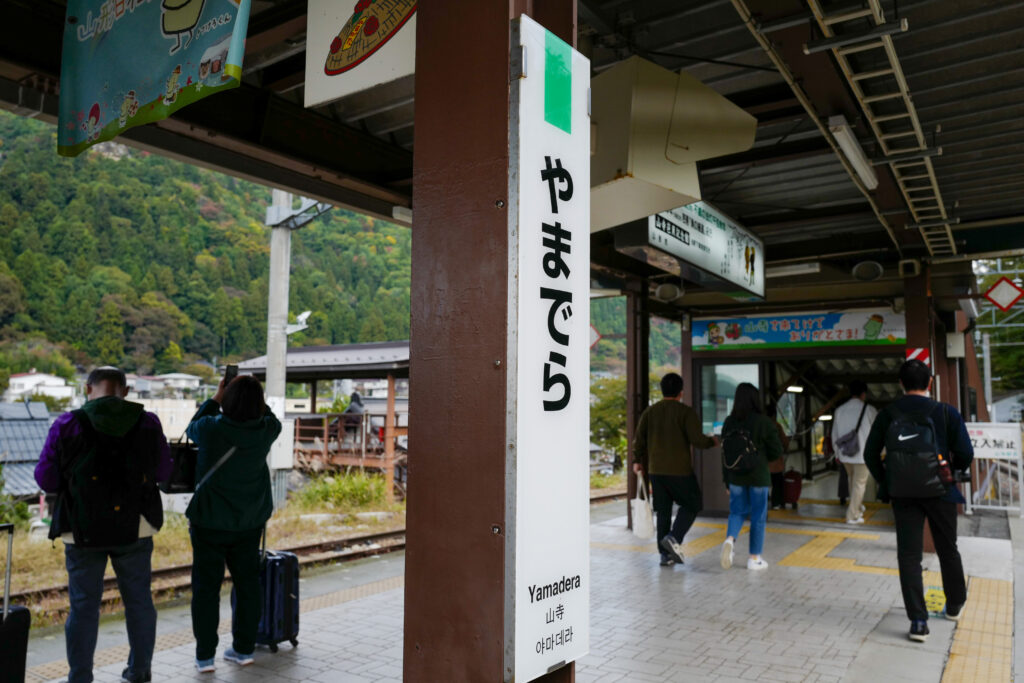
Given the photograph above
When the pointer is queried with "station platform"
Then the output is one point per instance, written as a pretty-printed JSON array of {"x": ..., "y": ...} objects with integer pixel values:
[{"x": 828, "y": 610}]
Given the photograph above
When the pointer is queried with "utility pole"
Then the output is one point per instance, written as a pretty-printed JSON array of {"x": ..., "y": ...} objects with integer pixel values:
[
  {"x": 282, "y": 219},
  {"x": 987, "y": 350}
]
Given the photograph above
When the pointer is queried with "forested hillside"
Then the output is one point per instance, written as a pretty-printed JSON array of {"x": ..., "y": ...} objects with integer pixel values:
[
  {"x": 119, "y": 256},
  {"x": 123, "y": 257}
]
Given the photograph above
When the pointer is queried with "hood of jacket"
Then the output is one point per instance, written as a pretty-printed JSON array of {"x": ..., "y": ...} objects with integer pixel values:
[{"x": 112, "y": 415}]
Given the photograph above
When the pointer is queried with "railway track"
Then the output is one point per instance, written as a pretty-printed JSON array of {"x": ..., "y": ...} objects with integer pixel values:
[{"x": 170, "y": 582}]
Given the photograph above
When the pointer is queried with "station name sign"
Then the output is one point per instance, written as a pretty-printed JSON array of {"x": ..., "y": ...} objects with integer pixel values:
[
  {"x": 701, "y": 244},
  {"x": 547, "y": 552},
  {"x": 795, "y": 330}
]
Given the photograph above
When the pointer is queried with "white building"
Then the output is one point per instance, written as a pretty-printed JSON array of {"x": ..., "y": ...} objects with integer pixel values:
[
  {"x": 25, "y": 384},
  {"x": 179, "y": 381}
]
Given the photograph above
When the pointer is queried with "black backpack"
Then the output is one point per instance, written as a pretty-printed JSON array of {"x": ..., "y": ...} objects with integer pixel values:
[
  {"x": 739, "y": 452},
  {"x": 912, "y": 456},
  {"x": 106, "y": 481}
]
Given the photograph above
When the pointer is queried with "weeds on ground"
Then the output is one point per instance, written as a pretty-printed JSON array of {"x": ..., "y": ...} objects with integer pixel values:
[
  {"x": 343, "y": 493},
  {"x": 39, "y": 563},
  {"x": 616, "y": 480}
]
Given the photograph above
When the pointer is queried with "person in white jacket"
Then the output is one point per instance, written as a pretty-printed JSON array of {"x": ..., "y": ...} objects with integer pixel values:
[{"x": 846, "y": 419}]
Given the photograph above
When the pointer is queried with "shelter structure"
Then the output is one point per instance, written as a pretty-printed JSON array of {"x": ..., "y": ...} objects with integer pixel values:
[
  {"x": 361, "y": 438},
  {"x": 885, "y": 158}
]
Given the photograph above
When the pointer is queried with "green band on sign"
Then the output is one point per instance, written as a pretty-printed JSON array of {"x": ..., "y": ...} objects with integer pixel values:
[{"x": 557, "y": 82}]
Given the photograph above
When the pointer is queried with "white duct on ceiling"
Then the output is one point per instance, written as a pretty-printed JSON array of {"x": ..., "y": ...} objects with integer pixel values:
[{"x": 650, "y": 127}]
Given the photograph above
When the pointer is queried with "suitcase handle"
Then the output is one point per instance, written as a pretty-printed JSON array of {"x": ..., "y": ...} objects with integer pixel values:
[{"x": 9, "y": 528}]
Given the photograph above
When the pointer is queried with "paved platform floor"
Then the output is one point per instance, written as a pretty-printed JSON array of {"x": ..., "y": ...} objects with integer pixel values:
[{"x": 828, "y": 610}]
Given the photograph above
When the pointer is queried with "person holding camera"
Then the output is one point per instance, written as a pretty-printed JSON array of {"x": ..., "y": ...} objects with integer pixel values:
[
  {"x": 228, "y": 512},
  {"x": 927, "y": 449}
]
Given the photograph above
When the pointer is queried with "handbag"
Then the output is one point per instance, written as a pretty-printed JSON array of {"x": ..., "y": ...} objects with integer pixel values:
[
  {"x": 849, "y": 444},
  {"x": 643, "y": 516},
  {"x": 184, "y": 454}
]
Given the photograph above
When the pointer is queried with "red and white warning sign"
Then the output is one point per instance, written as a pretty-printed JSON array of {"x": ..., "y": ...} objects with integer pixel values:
[
  {"x": 923, "y": 355},
  {"x": 595, "y": 336},
  {"x": 1004, "y": 293}
]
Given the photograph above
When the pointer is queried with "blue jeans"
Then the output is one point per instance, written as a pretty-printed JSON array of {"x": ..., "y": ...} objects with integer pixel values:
[
  {"x": 85, "y": 589},
  {"x": 749, "y": 501}
]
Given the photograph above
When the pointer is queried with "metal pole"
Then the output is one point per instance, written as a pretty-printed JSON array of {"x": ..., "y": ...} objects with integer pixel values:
[
  {"x": 987, "y": 350},
  {"x": 277, "y": 307}
]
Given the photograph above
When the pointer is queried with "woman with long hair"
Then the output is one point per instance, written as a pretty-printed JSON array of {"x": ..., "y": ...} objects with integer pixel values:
[
  {"x": 234, "y": 431},
  {"x": 749, "y": 441}
]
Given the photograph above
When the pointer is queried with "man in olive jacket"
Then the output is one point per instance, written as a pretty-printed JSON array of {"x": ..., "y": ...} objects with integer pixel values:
[{"x": 661, "y": 448}]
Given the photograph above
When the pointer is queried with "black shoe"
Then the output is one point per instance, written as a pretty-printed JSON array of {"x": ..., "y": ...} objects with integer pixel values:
[
  {"x": 673, "y": 548},
  {"x": 953, "y": 612},
  {"x": 666, "y": 561},
  {"x": 128, "y": 677},
  {"x": 919, "y": 631}
]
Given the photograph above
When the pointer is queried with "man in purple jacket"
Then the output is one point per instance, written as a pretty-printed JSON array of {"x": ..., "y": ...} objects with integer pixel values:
[{"x": 103, "y": 461}]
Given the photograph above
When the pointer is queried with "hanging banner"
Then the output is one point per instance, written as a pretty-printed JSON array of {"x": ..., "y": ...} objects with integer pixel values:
[
  {"x": 127, "y": 63},
  {"x": 349, "y": 49},
  {"x": 848, "y": 328},
  {"x": 548, "y": 463}
]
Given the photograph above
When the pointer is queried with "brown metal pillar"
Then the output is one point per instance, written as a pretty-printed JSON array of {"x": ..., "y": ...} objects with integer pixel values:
[
  {"x": 455, "y": 561},
  {"x": 917, "y": 295},
  {"x": 312, "y": 397},
  {"x": 638, "y": 329}
]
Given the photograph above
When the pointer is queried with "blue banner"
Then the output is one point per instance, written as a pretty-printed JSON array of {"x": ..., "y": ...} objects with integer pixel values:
[
  {"x": 782, "y": 331},
  {"x": 131, "y": 62}
]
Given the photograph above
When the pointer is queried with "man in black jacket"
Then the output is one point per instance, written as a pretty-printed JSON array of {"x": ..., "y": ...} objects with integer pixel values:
[{"x": 953, "y": 446}]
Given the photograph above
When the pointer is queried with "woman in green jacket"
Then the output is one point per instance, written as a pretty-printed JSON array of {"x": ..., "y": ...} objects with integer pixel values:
[
  {"x": 228, "y": 512},
  {"x": 748, "y": 490}
]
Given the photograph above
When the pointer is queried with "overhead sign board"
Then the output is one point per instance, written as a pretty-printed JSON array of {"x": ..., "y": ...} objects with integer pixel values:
[
  {"x": 126, "y": 63},
  {"x": 703, "y": 245},
  {"x": 786, "y": 331},
  {"x": 349, "y": 49},
  {"x": 548, "y": 527},
  {"x": 1004, "y": 294}
]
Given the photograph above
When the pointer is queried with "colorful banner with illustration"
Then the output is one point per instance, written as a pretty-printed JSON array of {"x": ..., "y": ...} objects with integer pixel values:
[
  {"x": 848, "y": 328},
  {"x": 131, "y": 62}
]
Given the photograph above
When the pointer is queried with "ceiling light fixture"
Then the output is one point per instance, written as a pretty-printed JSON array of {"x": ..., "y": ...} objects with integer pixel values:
[
  {"x": 825, "y": 418},
  {"x": 795, "y": 389},
  {"x": 847, "y": 142},
  {"x": 790, "y": 269}
]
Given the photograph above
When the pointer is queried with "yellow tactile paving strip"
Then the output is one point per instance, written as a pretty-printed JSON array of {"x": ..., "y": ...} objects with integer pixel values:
[
  {"x": 167, "y": 641},
  {"x": 869, "y": 513},
  {"x": 982, "y": 650}
]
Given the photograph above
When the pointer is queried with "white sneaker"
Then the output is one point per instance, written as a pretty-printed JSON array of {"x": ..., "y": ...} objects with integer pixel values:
[
  {"x": 727, "y": 553},
  {"x": 859, "y": 520},
  {"x": 863, "y": 508},
  {"x": 757, "y": 564}
]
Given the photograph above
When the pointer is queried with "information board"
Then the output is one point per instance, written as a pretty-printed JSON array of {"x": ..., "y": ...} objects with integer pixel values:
[
  {"x": 700, "y": 235},
  {"x": 995, "y": 440},
  {"x": 548, "y": 475}
]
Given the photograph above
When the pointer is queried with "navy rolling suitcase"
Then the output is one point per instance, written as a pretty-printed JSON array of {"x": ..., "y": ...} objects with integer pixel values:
[
  {"x": 279, "y": 584},
  {"x": 14, "y": 625}
]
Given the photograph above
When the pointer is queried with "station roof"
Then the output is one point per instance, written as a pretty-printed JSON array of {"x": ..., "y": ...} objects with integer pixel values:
[
  {"x": 23, "y": 430},
  {"x": 375, "y": 360},
  {"x": 792, "y": 188}
]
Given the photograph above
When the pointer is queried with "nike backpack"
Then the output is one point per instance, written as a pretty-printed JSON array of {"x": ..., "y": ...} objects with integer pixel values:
[{"x": 912, "y": 456}]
